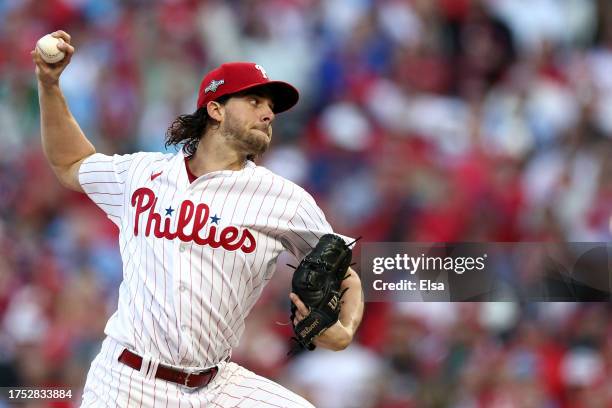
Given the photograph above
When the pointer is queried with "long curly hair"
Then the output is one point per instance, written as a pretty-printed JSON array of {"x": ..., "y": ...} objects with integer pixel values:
[{"x": 188, "y": 129}]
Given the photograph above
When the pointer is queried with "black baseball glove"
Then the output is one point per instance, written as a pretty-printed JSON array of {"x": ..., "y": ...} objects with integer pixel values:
[{"x": 317, "y": 281}]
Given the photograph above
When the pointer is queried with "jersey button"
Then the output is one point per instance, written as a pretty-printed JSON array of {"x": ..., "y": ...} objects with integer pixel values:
[
  {"x": 184, "y": 327},
  {"x": 183, "y": 247},
  {"x": 182, "y": 288}
]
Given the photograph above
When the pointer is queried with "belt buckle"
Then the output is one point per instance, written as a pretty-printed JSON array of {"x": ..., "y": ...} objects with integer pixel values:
[
  {"x": 188, "y": 376},
  {"x": 211, "y": 372},
  {"x": 186, "y": 383}
]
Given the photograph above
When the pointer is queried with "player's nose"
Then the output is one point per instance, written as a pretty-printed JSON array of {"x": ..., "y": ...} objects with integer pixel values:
[{"x": 267, "y": 115}]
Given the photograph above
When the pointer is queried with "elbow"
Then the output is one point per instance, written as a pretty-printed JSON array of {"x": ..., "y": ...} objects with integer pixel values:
[
  {"x": 341, "y": 342},
  {"x": 61, "y": 174},
  {"x": 68, "y": 177},
  {"x": 65, "y": 183},
  {"x": 341, "y": 345}
]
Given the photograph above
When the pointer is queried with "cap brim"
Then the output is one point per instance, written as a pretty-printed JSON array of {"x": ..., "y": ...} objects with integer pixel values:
[{"x": 284, "y": 96}]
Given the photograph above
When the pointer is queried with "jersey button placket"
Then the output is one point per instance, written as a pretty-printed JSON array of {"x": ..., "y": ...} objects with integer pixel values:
[{"x": 181, "y": 287}]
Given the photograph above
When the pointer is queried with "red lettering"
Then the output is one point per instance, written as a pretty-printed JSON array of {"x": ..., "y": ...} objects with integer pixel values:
[
  {"x": 250, "y": 247},
  {"x": 166, "y": 232},
  {"x": 138, "y": 201},
  {"x": 212, "y": 232},
  {"x": 185, "y": 215},
  {"x": 199, "y": 224},
  {"x": 153, "y": 218},
  {"x": 189, "y": 215},
  {"x": 228, "y": 235}
]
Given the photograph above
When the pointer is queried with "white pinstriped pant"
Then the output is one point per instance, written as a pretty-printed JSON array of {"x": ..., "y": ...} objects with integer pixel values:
[{"x": 113, "y": 384}]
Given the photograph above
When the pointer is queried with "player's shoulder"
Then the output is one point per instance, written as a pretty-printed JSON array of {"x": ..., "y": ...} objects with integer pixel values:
[
  {"x": 117, "y": 158},
  {"x": 297, "y": 191},
  {"x": 125, "y": 164},
  {"x": 154, "y": 157}
]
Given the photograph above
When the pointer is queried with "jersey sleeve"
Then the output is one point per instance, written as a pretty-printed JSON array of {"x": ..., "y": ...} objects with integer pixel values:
[
  {"x": 306, "y": 227},
  {"x": 103, "y": 179}
]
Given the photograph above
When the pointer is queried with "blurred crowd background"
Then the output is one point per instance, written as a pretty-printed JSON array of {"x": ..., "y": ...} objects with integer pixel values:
[{"x": 419, "y": 120}]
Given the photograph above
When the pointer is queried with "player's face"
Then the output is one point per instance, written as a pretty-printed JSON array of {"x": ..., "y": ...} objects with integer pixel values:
[{"x": 248, "y": 122}]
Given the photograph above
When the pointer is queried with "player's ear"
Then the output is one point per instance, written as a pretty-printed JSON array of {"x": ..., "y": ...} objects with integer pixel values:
[{"x": 215, "y": 110}]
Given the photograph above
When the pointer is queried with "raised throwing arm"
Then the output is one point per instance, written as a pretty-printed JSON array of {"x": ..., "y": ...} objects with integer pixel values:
[{"x": 64, "y": 143}]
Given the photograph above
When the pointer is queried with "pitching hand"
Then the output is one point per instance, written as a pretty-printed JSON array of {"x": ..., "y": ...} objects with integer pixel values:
[{"x": 48, "y": 74}]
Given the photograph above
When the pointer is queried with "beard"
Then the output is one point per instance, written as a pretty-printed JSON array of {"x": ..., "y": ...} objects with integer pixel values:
[{"x": 246, "y": 139}]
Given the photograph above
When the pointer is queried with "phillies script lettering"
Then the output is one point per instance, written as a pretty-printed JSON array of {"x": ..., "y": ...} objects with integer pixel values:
[{"x": 230, "y": 238}]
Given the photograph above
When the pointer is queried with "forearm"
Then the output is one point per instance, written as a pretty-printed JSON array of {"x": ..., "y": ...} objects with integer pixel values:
[
  {"x": 352, "y": 306},
  {"x": 63, "y": 141},
  {"x": 341, "y": 334}
]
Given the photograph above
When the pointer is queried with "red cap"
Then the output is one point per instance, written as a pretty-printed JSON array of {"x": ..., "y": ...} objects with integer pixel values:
[{"x": 233, "y": 77}]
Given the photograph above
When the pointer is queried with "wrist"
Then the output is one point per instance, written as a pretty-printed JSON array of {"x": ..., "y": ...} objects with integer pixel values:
[{"x": 48, "y": 85}]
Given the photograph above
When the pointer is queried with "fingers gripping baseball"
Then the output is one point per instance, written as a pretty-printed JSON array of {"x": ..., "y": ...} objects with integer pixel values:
[{"x": 48, "y": 73}]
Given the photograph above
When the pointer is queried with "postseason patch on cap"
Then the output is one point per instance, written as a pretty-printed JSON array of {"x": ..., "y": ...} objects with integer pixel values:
[{"x": 213, "y": 85}]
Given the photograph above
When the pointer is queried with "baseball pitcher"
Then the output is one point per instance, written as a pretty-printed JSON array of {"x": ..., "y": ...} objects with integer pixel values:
[{"x": 200, "y": 232}]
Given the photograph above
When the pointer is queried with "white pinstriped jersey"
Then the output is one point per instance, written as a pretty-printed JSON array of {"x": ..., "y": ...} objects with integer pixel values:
[{"x": 196, "y": 256}]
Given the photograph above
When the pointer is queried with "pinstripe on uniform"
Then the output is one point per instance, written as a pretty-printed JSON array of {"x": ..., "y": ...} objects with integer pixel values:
[{"x": 196, "y": 257}]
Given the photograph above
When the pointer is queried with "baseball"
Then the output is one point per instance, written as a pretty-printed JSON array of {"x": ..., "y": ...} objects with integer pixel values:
[{"x": 47, "y": 48}]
